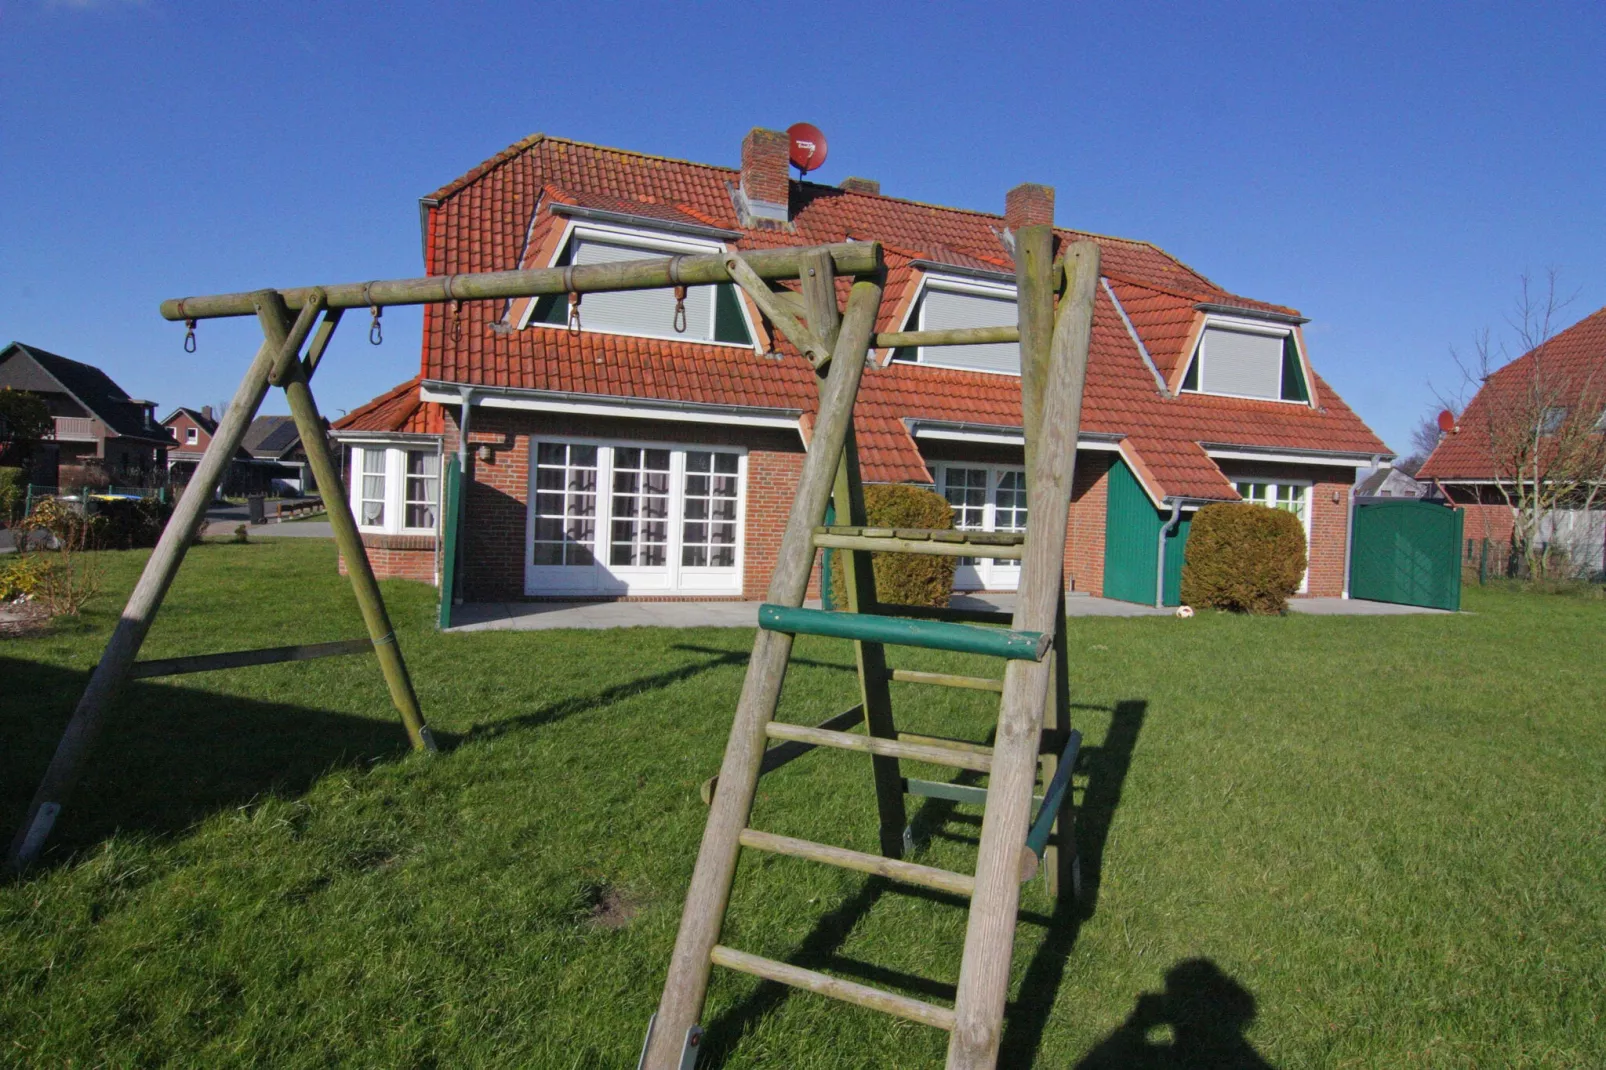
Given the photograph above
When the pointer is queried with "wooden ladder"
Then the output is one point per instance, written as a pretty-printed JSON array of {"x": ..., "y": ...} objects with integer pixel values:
[{"x": 1033, "y": 736}]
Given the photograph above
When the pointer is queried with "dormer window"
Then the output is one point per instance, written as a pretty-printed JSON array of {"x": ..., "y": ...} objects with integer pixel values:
[
  {"x": 1247, "y": 359},
  {"x": 191, "y": 436},
  {"x": 947, "y": 303},
  {"x": 712, "y": 313}
]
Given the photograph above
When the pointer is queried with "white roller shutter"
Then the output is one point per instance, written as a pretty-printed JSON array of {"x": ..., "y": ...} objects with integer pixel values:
[
  {"x": 641, "y": 311},
  {"x": 946, "y": 309},
  {"x": 1242, "y": 362}
]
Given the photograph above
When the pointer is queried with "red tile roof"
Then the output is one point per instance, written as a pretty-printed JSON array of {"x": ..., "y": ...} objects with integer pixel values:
[
  {"x": 1569, "y": 370},
  {"x": 498, "y": 217},
  {"x": 398, "y": 409}
]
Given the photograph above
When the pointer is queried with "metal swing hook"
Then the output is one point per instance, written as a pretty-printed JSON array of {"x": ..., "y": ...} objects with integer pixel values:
[
  {"x": 376, "y": 333},
  {"x": 189, "y": 336},
  {"x": 680, "y": 309},
  {"x": 457, "y": 323},
  {"x": 574, "y": 313}
]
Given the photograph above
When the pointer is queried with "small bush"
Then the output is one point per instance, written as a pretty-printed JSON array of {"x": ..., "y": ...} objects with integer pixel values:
[
  {"x": 129, "y": 524},
  {"x": 13, "y": 494},
  {"x": 70, "y": 576},
  {"x": 1245, "y": 558},
  {"x": 903, "y": 579},
  {"x": 21, "y": 576}
]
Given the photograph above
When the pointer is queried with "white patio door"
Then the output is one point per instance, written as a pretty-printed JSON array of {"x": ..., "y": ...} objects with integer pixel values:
[
  {"x": 986, "y": 498},
  {"x": 634, "y": 518}
]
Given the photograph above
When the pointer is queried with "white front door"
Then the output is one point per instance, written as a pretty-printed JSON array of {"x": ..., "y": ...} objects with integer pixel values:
[
  {"x": 634, "y": 518},
  {"x": 985, "y": 498}
]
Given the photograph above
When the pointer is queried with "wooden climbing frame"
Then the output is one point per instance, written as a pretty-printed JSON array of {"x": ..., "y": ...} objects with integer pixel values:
[{"x": 1033, "y": 741}]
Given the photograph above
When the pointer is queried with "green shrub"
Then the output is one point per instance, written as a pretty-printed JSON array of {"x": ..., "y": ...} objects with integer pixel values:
[
  {"x": 903, "y": 579},
  {"x": 128, "y": 523},
  {"x": 1245, "y": 558},
  {"x": 21, "y": 575},
  {"x": 13, "y": 494}
]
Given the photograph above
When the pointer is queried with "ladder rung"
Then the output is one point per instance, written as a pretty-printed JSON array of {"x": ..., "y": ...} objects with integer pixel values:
[
  {"x": 888, "y": 748},
  {"x": 848, "y": 991},
  {"x": 931, "y": 634},
  {"x": 919, "y": 541},
  {"x": 943, "y": 880},
  {"x": 786, "y": 753},
  {"x": 943, "y": 741},
  {"x": 943, "y": 679}
]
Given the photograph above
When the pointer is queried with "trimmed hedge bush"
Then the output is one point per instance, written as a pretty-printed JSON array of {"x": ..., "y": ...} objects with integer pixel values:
[
  {"x": 1246, "y": 558},
  {"x": 903, "y": 579},
  {"x": 128, "y": 524}
]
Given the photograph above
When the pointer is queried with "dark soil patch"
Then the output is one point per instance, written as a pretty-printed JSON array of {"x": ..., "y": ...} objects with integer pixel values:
[{"x": 21, "y": 619}]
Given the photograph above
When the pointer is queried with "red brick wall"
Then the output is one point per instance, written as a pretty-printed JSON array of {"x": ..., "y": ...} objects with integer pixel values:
[
  {"x": 1084, "y": 533},
  {"x": 1485, "y": 521},
  {"x": 1329, "y": 526},
  {"x": 180, "y": 425},
  {"x": 399, "y": 557}
]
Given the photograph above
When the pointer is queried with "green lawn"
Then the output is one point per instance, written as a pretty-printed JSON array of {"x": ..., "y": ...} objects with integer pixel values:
[{"x": 1350, "y": 842}]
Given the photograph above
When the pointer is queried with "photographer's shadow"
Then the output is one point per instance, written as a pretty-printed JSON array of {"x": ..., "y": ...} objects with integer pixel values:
[{"x": 1197, "y": 1022}]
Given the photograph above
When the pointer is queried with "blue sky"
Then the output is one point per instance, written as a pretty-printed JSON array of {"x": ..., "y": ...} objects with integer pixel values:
[{"x": 1389, "y": 169}]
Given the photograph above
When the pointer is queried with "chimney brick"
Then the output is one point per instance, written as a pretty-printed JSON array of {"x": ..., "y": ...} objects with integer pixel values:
[
  {"x": 1027, "y": 204},
  {"x": 861, "y": 185},
  {"x": 765, "y": 190}
]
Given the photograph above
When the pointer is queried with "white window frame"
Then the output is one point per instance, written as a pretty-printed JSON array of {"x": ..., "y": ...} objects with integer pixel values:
[
  {"x": 1306, "y": 488},
  {"x": 1248, "y": 326},
  {"x": 671, "y": 578},
  {"x": 987, "y": 573},
  {"x": 191, "y": 436},
  {"x": 395, "y": 486},
  {"x": 655, "y": 242},
  {"x": 956, "y": 284}
]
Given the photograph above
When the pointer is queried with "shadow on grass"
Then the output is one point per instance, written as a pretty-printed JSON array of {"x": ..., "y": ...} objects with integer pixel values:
[
  {"x": 169, "y": 755},
  {"x": 1106, "y": 768},
  {"x": 1197, "y": 1022}
]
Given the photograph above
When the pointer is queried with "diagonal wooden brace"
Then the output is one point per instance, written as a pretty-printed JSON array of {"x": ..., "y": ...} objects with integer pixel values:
[{"x": 806, "y": 340}]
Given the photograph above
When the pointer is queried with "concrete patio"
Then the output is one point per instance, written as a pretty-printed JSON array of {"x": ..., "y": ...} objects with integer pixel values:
[{"x": 537, "y": 616}]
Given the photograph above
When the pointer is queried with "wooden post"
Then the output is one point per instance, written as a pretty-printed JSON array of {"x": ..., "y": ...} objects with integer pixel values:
[
  {"x": 990, "y": 932},
  {"x": 1034, "y": 287},
  {"x": 274, "y": 316},
  {"x": 687, "y": 984},
  {"x": 123, "y": 647},
  {"x": 847, "y": 496}
]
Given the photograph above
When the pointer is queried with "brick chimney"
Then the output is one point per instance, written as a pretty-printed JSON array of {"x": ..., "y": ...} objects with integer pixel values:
[
  {"x": 765, "y": 193},
  {"x": 206, "y": 413},
  {"x": 861, "y": 185},
  {"x": 1028, "y": 203}
]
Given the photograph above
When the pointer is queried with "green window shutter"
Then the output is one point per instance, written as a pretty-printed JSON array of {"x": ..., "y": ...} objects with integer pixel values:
[
  {"x": 729, "y": 324},
  {"x": 1131, "y": 534},
  {"x": 554, "y": 308},
  {"x": 1294, "y": 388},
  {"x": 1190, "y": 381}
]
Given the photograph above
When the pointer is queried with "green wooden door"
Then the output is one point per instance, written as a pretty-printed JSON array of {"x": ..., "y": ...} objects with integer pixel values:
[
  {"x": 1131, "y": 531},
  {"x": 1407, "y": 552}
]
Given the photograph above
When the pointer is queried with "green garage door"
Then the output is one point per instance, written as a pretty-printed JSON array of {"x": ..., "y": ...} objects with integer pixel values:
[{"x": 1407, "y": 552}]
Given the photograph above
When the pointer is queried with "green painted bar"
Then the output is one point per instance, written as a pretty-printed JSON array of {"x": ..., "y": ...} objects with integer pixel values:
[
  {"x": 933, "y": 635},
  {"x": 1037, "y": 838}
]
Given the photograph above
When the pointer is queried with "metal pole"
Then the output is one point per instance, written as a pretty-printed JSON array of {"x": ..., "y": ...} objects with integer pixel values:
[
  {"x": 123, "y": 646},
  {"x": 275, "y": 318}
]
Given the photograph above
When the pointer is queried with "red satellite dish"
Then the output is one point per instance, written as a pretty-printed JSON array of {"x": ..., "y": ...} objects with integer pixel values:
[
  {"x": 808, "y": 146},
  {"x": 1447, "y": 421}
]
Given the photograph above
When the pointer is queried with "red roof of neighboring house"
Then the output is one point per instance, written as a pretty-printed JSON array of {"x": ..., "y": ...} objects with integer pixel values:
[
  {"x": 398, "y": 409},
  {"x": 1569, "y": 369},
  {"x": 498, "y": 216}
]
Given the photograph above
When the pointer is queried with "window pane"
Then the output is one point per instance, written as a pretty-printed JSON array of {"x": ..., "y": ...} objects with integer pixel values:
[
  {"x": 706, "y": 545},
  {"x": 565, "y": 528},
  {"x": 639, "y": 536}
]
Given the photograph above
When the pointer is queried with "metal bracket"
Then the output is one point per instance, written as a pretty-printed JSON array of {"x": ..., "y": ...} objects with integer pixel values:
[{"x": 688, "y": 1048}]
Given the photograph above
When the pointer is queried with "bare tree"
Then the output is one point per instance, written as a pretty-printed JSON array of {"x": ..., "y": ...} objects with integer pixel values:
[{"x": 1539, "y": 418}]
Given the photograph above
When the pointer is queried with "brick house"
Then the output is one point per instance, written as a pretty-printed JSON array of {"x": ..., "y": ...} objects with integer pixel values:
[
  {"x": 97, "y": 424},
  {"x": 269, "y": 459},
  {"x": 645, "y": 452},
  {"x": 1558, "y": 390}
]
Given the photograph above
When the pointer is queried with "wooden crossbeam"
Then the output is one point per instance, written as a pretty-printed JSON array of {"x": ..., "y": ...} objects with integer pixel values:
[
  {"x": 239, "y": 659},
  {"x": 807, "y": 341}
]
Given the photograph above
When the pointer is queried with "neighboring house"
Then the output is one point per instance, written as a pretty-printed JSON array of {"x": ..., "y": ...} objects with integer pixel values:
[
  {"x": 191, "y": 431},
  {"x": 1389, "y": 483},
  {"x": 97, "y": 424},
  {"x": 648, "y": 455},
  {"x": 278, "y": 463},
  {"x": 1553, "y": 396}
]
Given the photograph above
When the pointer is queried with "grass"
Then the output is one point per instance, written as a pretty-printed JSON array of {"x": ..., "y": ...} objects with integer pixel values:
[{"x": 1310, "y": 842}]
